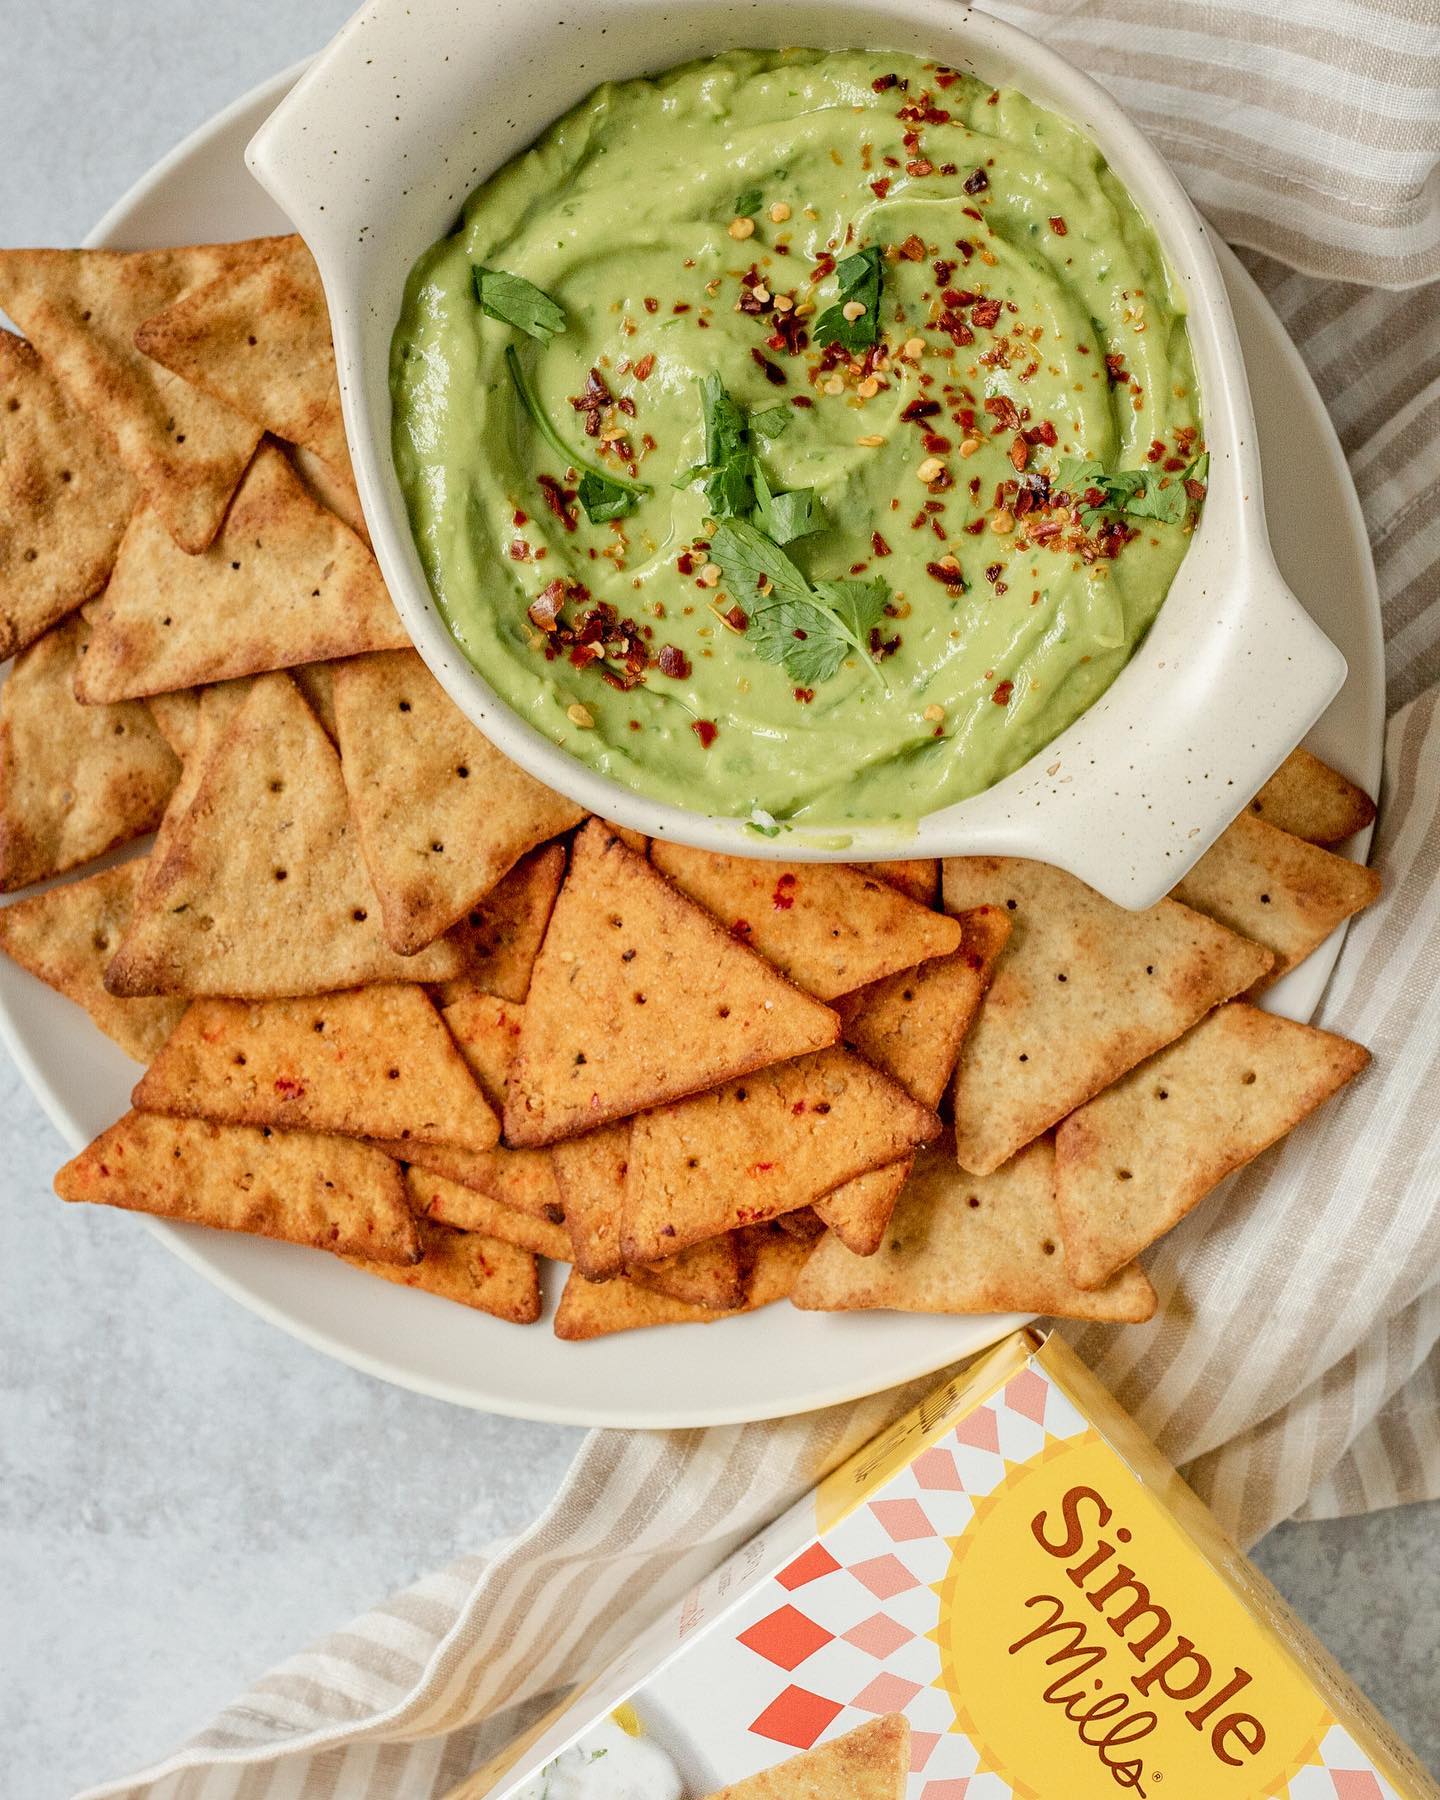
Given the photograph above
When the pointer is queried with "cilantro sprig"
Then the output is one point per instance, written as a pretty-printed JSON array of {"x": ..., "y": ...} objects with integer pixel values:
[
  {"x": 808, "y": 628},
  {"x": 860, "y": 278},
  {"x": 734, "y": 483},
  {"x": 1137, "y": 493},
  {"x": 518, "y": 302},
  {"x": 603, "y": 495}
]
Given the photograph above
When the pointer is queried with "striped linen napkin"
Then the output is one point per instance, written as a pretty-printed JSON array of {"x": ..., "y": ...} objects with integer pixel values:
[{"x": 1293, "y": 1366}]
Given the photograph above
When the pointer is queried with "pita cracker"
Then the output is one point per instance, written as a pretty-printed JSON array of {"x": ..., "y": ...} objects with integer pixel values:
[
  {"x": 177, "y": 718},
  {"x": 869, "y": 1763},
  {"x": 376, "y": 1062},
  {"x": 1277, "y": 890},
  {"x": 1133, "y": 1161},
  {"x": 201, "y": 731},
  {"x": 316, "y": 681},
  {"x": 804, "y": 1224},
  {"x": 67, "y": 935},
  {"x": 523, "y": 1180},
  {"x": 761, "y": 1146},
  {"x": 858, "y": 1211},
  {"x": 323, "y": 1191},
  {"x": 335, "y": 490},
  {"x": 500, "y": 937},
  {"x": 714, "y": 1274},
  {"x": 445, "y": 1202},
  {"x": 442, "y": 813},
  {"x": 776, "y": 1260},
  {"x": 75, "y": 781},
  {"x": 912, "y": 1025},
  {"x": 918, "y": 878},
  {"x": 592, "y": 1309},
  {"x": 962, "y": 1243},
  {"x": 636, "y": 840},
  {"x": 1311, "y": 800},
  {"x": 591, "y": 1173},
  {"x": 1082, "y": 992},
  {"x": 261, "y": 893},
  {"x": 830, "y": 927},
  {"x": 258, "y": 340},
  {"x": 283, "y": 583},
  {"x": 64, "y": 500},
  {"x": 486, "y": 1273},
  {"x": 622, "y": 939},
  {"x": 80, "y": 309}
]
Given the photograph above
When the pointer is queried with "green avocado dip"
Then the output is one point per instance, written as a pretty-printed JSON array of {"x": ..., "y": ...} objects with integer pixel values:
[{"x": 799, "y": 436}]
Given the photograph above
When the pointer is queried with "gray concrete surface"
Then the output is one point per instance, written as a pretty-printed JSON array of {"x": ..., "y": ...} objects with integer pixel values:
[{"x": 185, "y": 1493}]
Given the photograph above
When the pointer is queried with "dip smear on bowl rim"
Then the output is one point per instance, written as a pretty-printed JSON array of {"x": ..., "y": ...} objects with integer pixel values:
[{"x": 803, "y": 435}]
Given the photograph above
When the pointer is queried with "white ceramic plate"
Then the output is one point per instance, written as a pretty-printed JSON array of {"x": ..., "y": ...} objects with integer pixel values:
[{"x": 779, "y": 1361}]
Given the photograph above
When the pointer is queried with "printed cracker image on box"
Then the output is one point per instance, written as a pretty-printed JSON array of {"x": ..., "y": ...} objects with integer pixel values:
[{"x": 1009, "y": 1595}]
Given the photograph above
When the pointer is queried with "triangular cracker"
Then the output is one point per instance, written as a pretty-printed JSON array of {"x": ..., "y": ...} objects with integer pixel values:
[
  {"x": 760, "y": 1146},
  {"x": 335, "y": 491},
  {"x": 261, "y": 892},
  {"x": 962, "y": 1243},
  {"x": 500, "y": 937},
  {"x": 870, "y": 1763},
  {"x": 64, "y": 500},
  {"x": 68, "y": 934},
  {"x": 74, "y": 780},
  {"x": 591, "y": 1172},
  {"x": 284, "y": 583},
  {"x": 486, "y": 1029},
  {"x": 1133, "y": 1161},
  {"x": 80, "y": 309},
  {"x": 918, "y": 878},
  {"x": 259, "y": 341},
  {"x": 442, "y": 813},
  {"x": 776, "y": 1262},
  {"x": 713, "y": 1274},
  {"x": 376, "y": 1062},
  {"x": 199, "y": 731},
  {"x": 1276, "y": 889},
  {"x": 639, "y": 997},
  {"x": 323, "y": 1191},
  {"x": 805, "y": 1224},
  {"x": 1310, "y": 799},
  {"x": 592, "y": 1309},
  {"x": 447, "y": 1203},
  {"x": 486, "y": 1273},
  {"x": 912, "y": 1025},
  {"x": 858, "y": 1211},
  {"x": 1083, "y": 991},
  {"x": 829, "y": 927}
]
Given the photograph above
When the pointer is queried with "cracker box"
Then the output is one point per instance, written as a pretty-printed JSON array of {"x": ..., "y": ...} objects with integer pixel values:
[{"x": 1008, "y": 1594}]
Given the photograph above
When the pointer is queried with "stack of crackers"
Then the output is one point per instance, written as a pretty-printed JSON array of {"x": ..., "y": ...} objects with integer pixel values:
[{"x": 401, "y": 1003}]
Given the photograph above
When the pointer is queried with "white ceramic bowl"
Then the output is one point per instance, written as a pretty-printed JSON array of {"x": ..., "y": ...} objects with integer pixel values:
[{"x": 417, "y": 101}]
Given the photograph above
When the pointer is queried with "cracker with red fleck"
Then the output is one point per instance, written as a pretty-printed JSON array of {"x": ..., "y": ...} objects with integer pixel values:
[
  {"x": 912, "y": 1025},
  {"x": 1311, "y": 800},
  {"x": 591, "y": 1172},
  {"x": 961, "y": 1243},
  {"x": 870, "y": 1763},
  {"x": 374, "y": 1062},
  {"x": 593, "y": 1309},
  {"x": 465, "y": 1209},
  {"x": 777, "y": 1139},
  {"x": 443, "y": 815},
  {"x": 1277, "y": 889},
  {"x": 916, "y": 877},
  {"x": 260, "y": 892},
  {"x": 713, "y": 1274},
  {"x": 1134, "y": 1160},
  {"x": 485, "y": 1273},
  {"x": 65, "y": 500},
  {"x": 67, "y": 935},
  {"x": 306, "y": 1188},
  {"x": 500, "y": 937},
  {"x": 283, "y": 583},
  {"x": 75, "y": 780},
  {"x": 1083, "y": 991},
  {"x": 640, "y": 997},
  {"x": 259, "y": 342},
  {"x": 858, "y": 1211},
  {"x": 830, "y": 927},
  {"x": 80, "y": 309}
]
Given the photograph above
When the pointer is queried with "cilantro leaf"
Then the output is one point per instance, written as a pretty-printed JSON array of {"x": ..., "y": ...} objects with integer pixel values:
[
  {"x": 787, "y": 516},
  {"x": 748, "y": 557},
  {"x": 772, "y": 423},
  {"x": 748, "y": 203},
  {"x": 1135, "y": 492},
  {"x": 518, "y": 302},
  {"x": 860, "y": 279},
  {"x": 604, "y": 488},
  {"x": 861, "y": 604},
  {"x": 729, "y": 465}
]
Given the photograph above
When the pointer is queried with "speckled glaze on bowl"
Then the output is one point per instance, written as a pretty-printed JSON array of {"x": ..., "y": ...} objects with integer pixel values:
[{"x": 416, "y": 101}]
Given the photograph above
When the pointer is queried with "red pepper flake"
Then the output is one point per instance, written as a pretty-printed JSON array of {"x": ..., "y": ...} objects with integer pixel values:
[
  {"x": 946, "y": 78},
  {"x": 707, "y": 731},
  {"x": 1002, "y": 694},
  {"x": 742, "y": 931},
  {"x": 652, "y": 305},
  {"x": 673, "y": 662},
  {"x": 1174, "y": 464},
  {"x": 977, "y": 182},
  {"x": 738, "y": 619},
  {"x": 878, "y": 544},
  {"x": 685, "y": 563},
  {"x": 936, "y": 444},
  {"x": 1195, "y": 489},
  {"x": 913, "y": 249},
  {"x": 518, "y": 518},
  {"x": 288, "y": 1088},
  {"x": 1058, "y": 225},
  {"x": 949, "y": 578},
  {"x": 558, "y": 499},
  {"x": 784, "y": 898},
  {"x": 883, "y": 83},
  {"x": 803, "y": 695},
  {"x": 1004, "y": 411},
  {"x": 881, "y": 187},
  {"x": 919, "y": 168},
  {"x": 592, "y": 400},
  {"x": 986, "y": 313},
  {"x": 774, "y": 374},
  {"x": 801, "y": 400},
  {"x": 1115, "y": 370},
  {"x": 544, "y": 610}
]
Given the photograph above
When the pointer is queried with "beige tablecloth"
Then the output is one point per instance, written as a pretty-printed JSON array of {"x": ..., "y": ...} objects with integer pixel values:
[{"x": 1292, "y": 1367}]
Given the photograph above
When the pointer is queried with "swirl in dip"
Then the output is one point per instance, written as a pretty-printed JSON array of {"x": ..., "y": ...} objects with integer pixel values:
[{"x": 802, "y": 436}]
